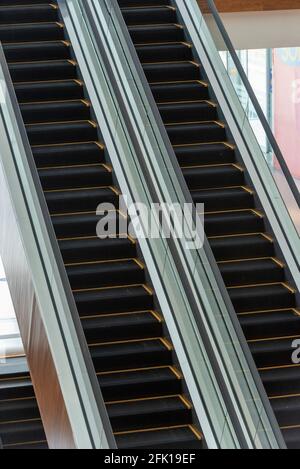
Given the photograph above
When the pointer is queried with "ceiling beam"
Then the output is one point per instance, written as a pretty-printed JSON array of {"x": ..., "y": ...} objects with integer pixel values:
[{"x": 229, "y": 6}]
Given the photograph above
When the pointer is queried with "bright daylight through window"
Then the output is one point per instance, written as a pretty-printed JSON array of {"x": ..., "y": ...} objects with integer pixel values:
[{"x": 10, "y": 341}]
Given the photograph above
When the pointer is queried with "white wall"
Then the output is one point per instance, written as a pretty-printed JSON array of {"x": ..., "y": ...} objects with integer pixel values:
[{"x": 263, "y": 30}]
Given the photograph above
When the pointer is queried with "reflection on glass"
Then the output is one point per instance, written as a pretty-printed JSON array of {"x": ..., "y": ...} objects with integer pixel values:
[{"x": 275, "y": 78}]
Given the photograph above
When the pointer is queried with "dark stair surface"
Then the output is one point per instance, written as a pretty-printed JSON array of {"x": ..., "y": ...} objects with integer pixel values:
[
  {"x": 133, "y": 357},
  {"x": 264, "y": 301},
  {"x": 20, "y": 422}
]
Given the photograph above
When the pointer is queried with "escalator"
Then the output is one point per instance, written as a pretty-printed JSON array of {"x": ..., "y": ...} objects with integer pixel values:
[
  {"x": 134, "y": 359},
  {"x": 20, "y": 422},
  {"x": 236, "y": 226}
]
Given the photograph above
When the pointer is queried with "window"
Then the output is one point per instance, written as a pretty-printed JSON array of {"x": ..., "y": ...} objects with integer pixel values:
[{"x": 10, "y": 340}]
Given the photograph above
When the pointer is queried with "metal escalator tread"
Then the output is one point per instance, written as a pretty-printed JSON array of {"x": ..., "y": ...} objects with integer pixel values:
[
  {"x": 27, "y": 32},
  {"x": 132, "y": 383},
  {"x": 236, "y": 227},
  {"x": 163, "y": 411},
  {"x": 52, "y": 90},
  {"x": 162, "y": 438},
  {"x": 20, "y": 422},
  {"x": 134, "y": 360},
  {"x": 35, "y": 51}
]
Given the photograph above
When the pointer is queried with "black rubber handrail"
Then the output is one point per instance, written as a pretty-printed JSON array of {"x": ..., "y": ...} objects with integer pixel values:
[{"x": 266, "y": 126}]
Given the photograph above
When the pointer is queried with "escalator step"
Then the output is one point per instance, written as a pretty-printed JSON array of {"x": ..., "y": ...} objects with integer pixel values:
[
  {"x": 28, "y": 13},
  {"x": 262, "y": 297},
  {"x": 31, "y": 32},
  {"x": 82, "y": 224},
  {"x": 204, "y": 177},
  {"x": 80, "y": 200},
  {"x": 20, "y": 424},
  {"x": 53, "y": 133},
  {"x": 49, "y": 91},
  {"x": 39, "y": 71},
  {"x": 292, "y": 437},
  {"x": 197, "y": 132},
  {"x": 68, "y": 154},
  {"x": 37, "y": 51},
  {"x": 184, "y": 91},
  {"x": 156, "y": 33},
  {"x": 148, "y": 413},
  {"x": 242, "y": 247},
  {"x": 113, "y": 300},
  {"x": 248, "y": 272},
  {"x": 58, "y": 111},
  {"x": 270, "y": 324},
  {"x": 149, "y": 15},
  {"x": 273, "y": 352},
  {"x": 287, "y": 410},
  {"x": 146, "y": 382},
  {"x": 14, "y": 432},
  {"x": 15, "y": 387},
  {"x": 214, "y": 153},
  {"x": 126, "y": 326},
  {"x": 228, "y": 223},
  {"x": 105, "y": 274},
  {"x": 187, "y": 111},
  {"x": 68, "y": 177},
  {"x": 91, "y": 249},
  {"x": 233, "y": 198},
  {"x": 20, "y": 409},
  {"x": 281, "y": 381},
  {"x": 166, "y": 438},
  {"x": 130, "y": 355},
  {"x": 177, "y": 52},
  {"x": 167, "y": 72}
]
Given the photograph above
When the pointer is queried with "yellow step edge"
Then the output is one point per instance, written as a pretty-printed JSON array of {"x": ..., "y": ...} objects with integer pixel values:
[
  {"x": 280, "y": 367},
  {"x": 107, "y": 315},
  {"x": 70, "y": 214},
  {"x": 152, "y": 429},
  {"x": 164, "y": 341},
  {"x": 273, "y": 338},
  {"x": 13, "y": 422},
  {"x": 137, "y": 370},
  {"x": 90, "y": 165},
  {"x": 51, "y": 145},
  {"x": 276, "y": 261},
  {"x": 108, "y": 261},
  {"x": 25, "y": 443},
  {"x": 284, "y": 396},
  {"x": 263, "y": 285},
  {"x": 81, "y": 121},
  {"x": 155, "y": 398},
  {"x": 115, "y": 287},
  {"x": 248, "y": 313},
  {"x": 77, "y": 189},
  {"x": 55, "y": 101}
]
